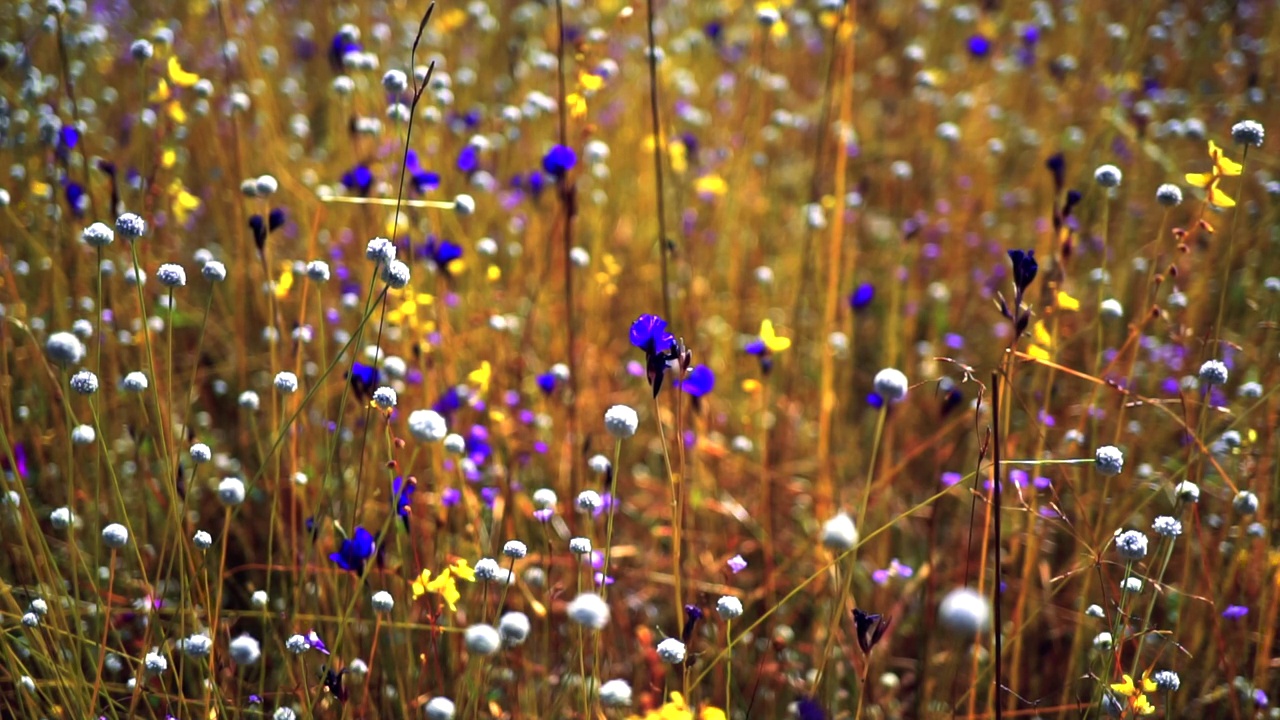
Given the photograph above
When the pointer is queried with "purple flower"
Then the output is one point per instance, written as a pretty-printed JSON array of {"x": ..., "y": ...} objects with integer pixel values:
[
  {"x": 358, "y": 179},
  {"x": 559, "y": 160},
  {"x": 737, "y": 564},
  {"x": 649, "y": 333},
  {"x": 1235, "y": 612},
  {"x": 862, "y": 297},
  {"x": 979, "y": 46},
  {"x": 316, "y": 643},
  {"x": 700, "y": 381},
  {"x": 402, "y": 493},
  {"x": 547, "y": 382},
  {"x": 469, "y": 159},
  {"x": 450, "y": 497},
  {"x": 951, "y": 478},
  {"x": 543, "y": 514},
  {"x": 354, "y": 551}
]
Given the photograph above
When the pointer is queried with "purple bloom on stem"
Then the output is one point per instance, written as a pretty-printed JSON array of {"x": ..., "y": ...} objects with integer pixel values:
[
  {"x": 547, "y": 382},
  {"x": 402, "y": 491},
  {"x": 358, "y": 179},
  {"x": 543, "y": 514},
  {"x": 354, "y": 551},
  {"x": 737, "y": 564},
  {"x": 862, "y": 297},
  {"x": 469, "y": 159},
  {"x": 649, "y": 333},
  {"x": 700, "y": 381},
  {"x": 450, "y": 497},
  {"x": 559, "y": 160},
  {"x": 951, "y": 478},
  {"x": 316, "y": 643},
  {"x": 979, "y": 46},
  {"x": 1235, "y": 612}
]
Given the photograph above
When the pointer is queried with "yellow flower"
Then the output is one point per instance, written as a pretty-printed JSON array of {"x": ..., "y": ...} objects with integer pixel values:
[
  {"x": 589, "y": 82},
  {"x": 419, "y": 584},
  {"x": 183, "y": 202},
  {"x": 776, "y": 343},
  {"x": 577, "y": 105},
  {"x": 1222, "y": 167},
  {"x": 442, "y": 585},
  {"x": 481, "y": 376},
  {"x": 461, "y": 569},
  {"x": 712, "y": 713},
  {"x": 181, "y": 77},
  {"x": 1066, "y": 302},
  {"x": 176, "y": 113},
  {"x": 1128, "y": 689},
  {"x": 160, "y": 94},
  {"x": 710, "y": 186},
  {"x": 1142, "y": 706}
]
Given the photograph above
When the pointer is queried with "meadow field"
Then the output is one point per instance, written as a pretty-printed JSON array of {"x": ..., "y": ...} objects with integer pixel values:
[{"x": 639, "y": 359}]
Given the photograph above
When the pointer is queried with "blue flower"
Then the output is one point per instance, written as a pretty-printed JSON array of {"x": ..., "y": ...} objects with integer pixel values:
[
  {"x": 449, "y": 402},
  {"x": 649, "y": 333},
  {"x": 1025, "y": 268},
  {"x": 700, "y": 381},
  {"x": 537, "y": 183},
  {"x": 355, "y": 551},
  {"x": 425, "y": 181},
  {"x": 402, "y": 492},
  {"x": 442, "y": 252},
  {"x": 364, "y": 378},
  {"x": 358, "y": 179},
  {"x": 559, "y": 160},
  {"x": 341, "y": 45},
  {"x": 979, "y": 46},
  {"x": 808, "y": 709},
  {"x": 547, "y": 382},
  {"x": 692, "y": 614},
  {"x": 469, "y": 159},
  {"x": 862, "y": 296}
]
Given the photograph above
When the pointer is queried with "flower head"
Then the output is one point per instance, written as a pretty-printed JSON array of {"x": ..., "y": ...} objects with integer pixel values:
[
  {"x": 589, "y": 610},
  {"x": 355, "y": 551},
  {"x": 1222, "y": 167},
  {"x": 1132, "y": 545},
  {"x": 1248, "y": 132},
  {"x": 559, "y": 160},
  {"x": 964, "y": 611}
]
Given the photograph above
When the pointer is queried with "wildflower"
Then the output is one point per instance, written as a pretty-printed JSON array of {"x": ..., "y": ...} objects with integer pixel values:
[
  {"x": 395, "y": 81},
  {"x": 115, "y": 536},
  {"x": 1025, "y": 268},
  {"x": 671, "y": 651},
  {"x": 1108, "y": 176},
  {"x": 130, "y": 226},
  {"x": 231, "y": 491},
  {"x": 439, "y": 708},
  {"x": 839, "y": 533},
  {"x": 284, "y": 713},
  {"x": 354, "y": 551},
  {"x": 621, "y": 421},
  {"x": 487, "y": 569},
  {"x": 98, "y": 235},
  {"x": 61, "y": 518},
  {"x": 259, "y": 599},
  {"x": 318, "y": 270},
  {"x": 580, "y": 546},
  {"x": 455, "y": 443},
  {"x": 197, "y": 645},
  {"x": 1222, "y": 167},
  {"x": 396, "y": 274},
  {"x": 1169, "y": 195},
  {"x": 1132, "y": 545},
  {"x": 1187, "y": 491},
  {"x": 286, "y": 382},
  {"x": 1245, "y": 502},
  {"x": 767, "y": 344},
  {"x": 1111, "y": 308},
  {"x": 545, "y": 498},
  {"x": 514, "y": 628},
  {"x": 84, "y": 382},
  {"x": 891, "y": 384},
  {"x": 1213, "y": 372},
  {"x": 64, "y": 348},
  {"x": 384, "y": 397},
  {"x": 214, "y": 271},
  {"x": 1102, "y": 641},
  {"x": 729, "y": 607},
  {"x": 1248, "y": 132},
  {"x": 155, "y": 663},
  {"x": 1166, "y": 526},
  {"x": 1094, "y": 611},
  {"x": 171, "y": 275},
  {"x": 871, "y": 628},
  {"x": 515, "y": 549},
  {"x": 245, "y": 650},
  {"x": 32, "y": 620},
  {"x": 1109, "y": 460},
  {"x": 482, "y": 639},
  {"x": 297, "y": 644},
  {"x": 600, "y": 464},
  {"x": 737, "y": 564},
  {"x": 590, "y": 611},
  {"x": 589, "y": 501},
  {"x": 1132, "y": 585},
  {"x": 464, "y": 205},
  {"x": 615, "y": 693},
  {"x": 402, "y": 491},
  {"x": 964, "y": 612},
  {"x": 559, "y": 160},
  {"x": 699, "y": 381},
  {"x": 1166, "y": 680},
  {"x": 39, "y": 606},
  {"x": 427, "y": 425},
  {"x": 249, "y": 400},
  {"x": 1136, "y": 695},
  {"x": 649, "y": 334},
  {"x": 202, "y": 540},
  {"x": 380, "y": 250},
  {"x": 382, "y": 601}
]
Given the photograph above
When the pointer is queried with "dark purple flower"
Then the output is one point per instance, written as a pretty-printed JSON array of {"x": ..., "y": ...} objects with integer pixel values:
[
  {"x": 364, "y": 379},
  {"x": 469, "y": 159},
  {"x": 979, "y": 45},
  {"x": 442, "y": 252},
  {"x": 737, "y": 564},
  {"x": 649, "y": 333},
  {"x": 425, "y": 181},
  {"x": 862, "y": 296},
  {"x": 808, "y": 709},
  {"x": 316, "y": 643},
  {"x": 358, "y": 179},
  {"x": 871, "y": 627},
  {"x": 700, "y": 381},
  {"x": 402, "y": 493},
  {"x": 1235, "y": 612},
  {"x": 355, "y": 551},
  {"x": 559, "y": 160},
  {"x": 547, "y": 382},
  {"x": 1025, "y": 268},
  {"x": 692, "y": 614}
]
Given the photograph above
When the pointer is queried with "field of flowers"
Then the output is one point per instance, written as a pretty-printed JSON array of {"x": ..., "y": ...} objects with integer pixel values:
[{"x": 639, "y": 359}]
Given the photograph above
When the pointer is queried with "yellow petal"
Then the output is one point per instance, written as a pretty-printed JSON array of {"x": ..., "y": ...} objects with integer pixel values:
[
  {"x": 176, "y": 113},
  {"x": 1220, "y": 198},
  {"x": 1143, "y": 706},
  {"x": 160, "y": 94},
  {"x": 772, "y": 340},
  {"x": 461, "y": 569},
  {"x": 1066, "y": 302},
  {"x": 481, "y": 376},
  {"x": 1225, "y": 165},
  {"x": 1125, "y": 688},
  {"x": 181, "y": 77},
  {"x": 168, "y": 159},
  {"x": 1036, "y": 352},
  {"x": 1200, "y": 179},
  {"x": 1148, "y": 685},
  {"x": 590, "y": 82},
  {"x": 710, "y": 186},
  {"x": 1040, "y": 334},
  {"x": 419, "y": 585}
]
